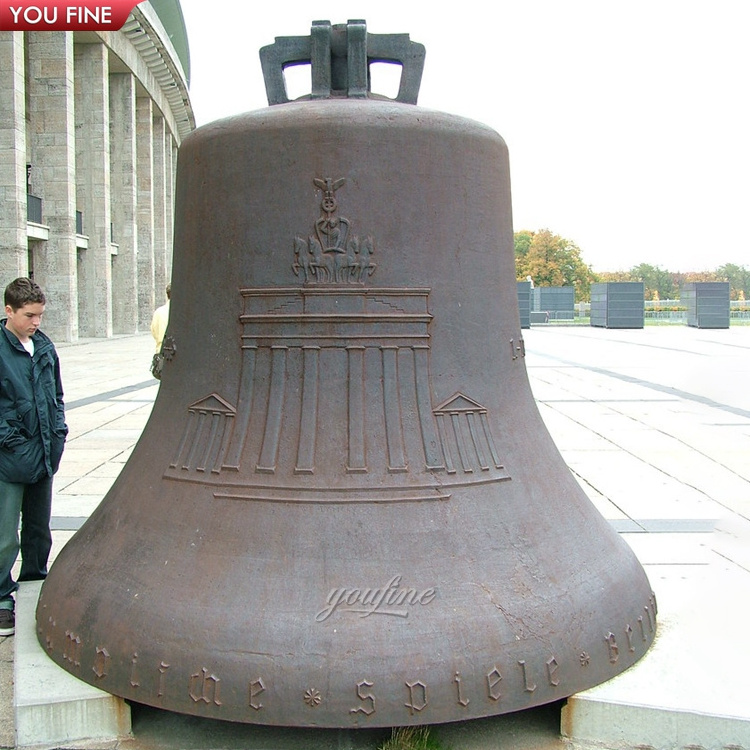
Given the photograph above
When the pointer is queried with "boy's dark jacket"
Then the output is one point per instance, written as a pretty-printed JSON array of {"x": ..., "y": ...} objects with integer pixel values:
[{"x": 32, "y": 413}]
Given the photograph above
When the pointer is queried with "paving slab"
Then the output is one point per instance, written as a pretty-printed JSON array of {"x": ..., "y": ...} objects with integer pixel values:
[{"x": 75, "y": 505}]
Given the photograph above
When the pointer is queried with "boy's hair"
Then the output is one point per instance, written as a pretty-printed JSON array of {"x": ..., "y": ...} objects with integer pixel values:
[{"x": 22, "y": 292}]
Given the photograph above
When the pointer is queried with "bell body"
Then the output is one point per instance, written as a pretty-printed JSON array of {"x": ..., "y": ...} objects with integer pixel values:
[{"x": 345, "y": 510}]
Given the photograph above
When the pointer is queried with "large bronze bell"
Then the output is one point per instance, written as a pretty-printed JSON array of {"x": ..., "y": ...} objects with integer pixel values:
[{"x": 345, "y": 510}]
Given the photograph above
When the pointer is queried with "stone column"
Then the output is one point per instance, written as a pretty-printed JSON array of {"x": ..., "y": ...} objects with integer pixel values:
[
  {"x": 122, "y": 150},
  {"x": 51, "y": 153},
  {"x": 13, "y": 243},
  {"x": 93, "y": 188},
  {"x": 145, "y": 209},
  {"x": 169, "y": 155},
  {"x": 160, "y": 207}
]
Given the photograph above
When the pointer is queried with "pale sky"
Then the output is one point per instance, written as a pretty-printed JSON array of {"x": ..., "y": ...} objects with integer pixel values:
[{"x": 628, "y": 123}]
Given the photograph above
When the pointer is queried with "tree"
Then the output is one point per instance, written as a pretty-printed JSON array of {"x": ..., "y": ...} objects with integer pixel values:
[
  {"x": 738, "y": 278},
  {"x": 668, "y": 284},
  {"x": 552, "y": 260},
  {"x": 521, "y": 243},
  {"x": 607, "y": 276},
  {"x": 658, "y": 283}
]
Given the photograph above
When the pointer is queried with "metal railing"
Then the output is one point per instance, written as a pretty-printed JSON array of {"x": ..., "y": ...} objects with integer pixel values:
[{"x": 739, "y": 311}]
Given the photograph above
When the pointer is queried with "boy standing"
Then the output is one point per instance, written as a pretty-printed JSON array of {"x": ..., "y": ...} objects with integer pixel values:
[{"x": 32, "y": 438}]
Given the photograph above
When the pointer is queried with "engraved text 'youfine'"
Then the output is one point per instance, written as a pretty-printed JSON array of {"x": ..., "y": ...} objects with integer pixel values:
[{"x": 391, "y": 599}]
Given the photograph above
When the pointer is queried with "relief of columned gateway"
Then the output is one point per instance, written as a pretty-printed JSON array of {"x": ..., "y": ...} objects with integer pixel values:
[{"x": 335, "y": 384}]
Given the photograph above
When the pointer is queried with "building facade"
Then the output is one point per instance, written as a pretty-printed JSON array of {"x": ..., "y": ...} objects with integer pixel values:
[{"x": 90, "y": 124}]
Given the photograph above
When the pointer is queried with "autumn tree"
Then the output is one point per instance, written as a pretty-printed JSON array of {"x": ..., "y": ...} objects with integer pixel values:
[
  {"x": 551, "y": 260},
  {"x": 613, "y": 276},
  {"x": 521, "y": 243}
]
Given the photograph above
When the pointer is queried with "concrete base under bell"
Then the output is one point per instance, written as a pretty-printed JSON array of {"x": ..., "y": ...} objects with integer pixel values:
[
  {"x": 690, "y": 692},
  {"x": 51, "y": 706}
]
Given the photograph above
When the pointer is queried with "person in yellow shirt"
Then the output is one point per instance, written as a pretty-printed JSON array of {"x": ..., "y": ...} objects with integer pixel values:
[{"x": 160, "y": 320}]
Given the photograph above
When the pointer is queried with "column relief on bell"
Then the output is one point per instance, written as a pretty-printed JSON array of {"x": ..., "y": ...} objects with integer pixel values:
[
  {"x": 204, "y": 442},
  {"x": 465, "y": 436},
  {"x": 334, "y": 383}
]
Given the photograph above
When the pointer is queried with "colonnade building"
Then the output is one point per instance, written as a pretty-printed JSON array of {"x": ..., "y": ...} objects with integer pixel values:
[{"x": 90, "y": 124}]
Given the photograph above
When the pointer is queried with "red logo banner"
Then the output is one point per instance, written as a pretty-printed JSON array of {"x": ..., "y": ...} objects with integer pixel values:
[{"x": 64, "y": 15}]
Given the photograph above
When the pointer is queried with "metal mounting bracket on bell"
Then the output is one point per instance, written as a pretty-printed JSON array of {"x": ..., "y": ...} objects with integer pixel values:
[
  {"x": 340, "y": 57},
  {"x": 345, "y": 509}
]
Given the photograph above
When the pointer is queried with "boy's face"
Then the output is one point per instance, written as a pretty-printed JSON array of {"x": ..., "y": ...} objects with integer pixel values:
[{"x": 24, "y": 321}]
